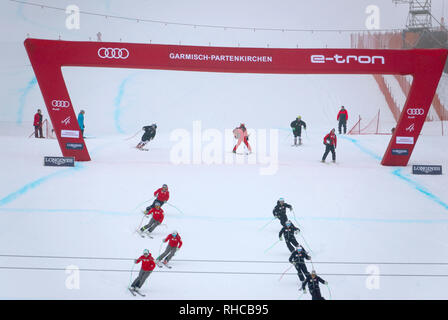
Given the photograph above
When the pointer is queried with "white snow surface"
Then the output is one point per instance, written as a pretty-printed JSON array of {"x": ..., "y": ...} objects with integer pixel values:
[{"x": 354, "y": 211}]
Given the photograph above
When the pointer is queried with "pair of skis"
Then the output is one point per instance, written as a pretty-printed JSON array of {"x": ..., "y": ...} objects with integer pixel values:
[
  {"x": 161, "y": 264},
  {"x": 144, "y": 234},
  {"x": 134, "y": 293},
  {"x": 334, "y": 162}
]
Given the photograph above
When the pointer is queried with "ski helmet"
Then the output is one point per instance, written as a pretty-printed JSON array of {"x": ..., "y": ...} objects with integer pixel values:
[
  {"x": 299, "y": 248},
  {"x": 281, "y": 199},
  {"x": 154, "y": 125},
  {"x": 299, "y": 117},
  {"x": 145, "y": 252},
  {"x": 157, "y": 204},
  {"x": 174, "y": 233},
  {"x": 164, "y": 186},
  {"x": 288, "y": 223}
]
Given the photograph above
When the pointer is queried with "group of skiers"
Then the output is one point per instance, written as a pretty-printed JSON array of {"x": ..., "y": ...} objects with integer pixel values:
[
  {"x": 298, "y": 253},
  {"x": 174, "y": 240},
  {"x": 288, "y": 230},
  {"x": 240, "y": 133},
  {"x": 330, "y": 139}
]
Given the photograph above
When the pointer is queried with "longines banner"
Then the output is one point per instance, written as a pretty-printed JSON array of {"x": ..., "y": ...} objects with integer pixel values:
[
  {"x": 59, "y": 161},
  {"x": 427, "y": 169},
  {"x": 49, "y": 56}
]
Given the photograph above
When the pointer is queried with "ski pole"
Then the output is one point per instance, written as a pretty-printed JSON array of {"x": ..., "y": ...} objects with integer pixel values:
[
  {"x": 175, "y": 207},
  {"x": 285, "y": 272},
  {"x": 130, "y": 278},
  {"x": 266, "y": 224},
  {"x": 143, "y": 203},
  {"x": 160, "y": 249},
  {"x": 300, "y": 232},
  {"x": 329, "y": 291},
  {"x": 295, "y": 219},
  {"x": 132, "y": 136},
  {"x": 140, "y": 224},
  {"x": 312, "y": 265},
  {"x": 304, "y": 240},
  {"x": 271, "y": 246}
]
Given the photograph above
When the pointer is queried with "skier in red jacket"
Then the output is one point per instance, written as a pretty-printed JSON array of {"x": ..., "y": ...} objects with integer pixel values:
[
  {"x": 342, "y": 118},
  {"x": 330, "y": 142},
  {"x": 174, "y": 244},
  {"x": 162, "y": 195},
  {"x": 148, "y": 266},
  {"x": 157, "y": 218}
]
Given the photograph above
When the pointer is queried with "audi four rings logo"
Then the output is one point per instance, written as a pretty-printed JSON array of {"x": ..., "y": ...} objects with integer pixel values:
[
  {"x": 415, "y": 112},
  {"x": 60, "y": 103},
  {"x": 113, "y": 53}
]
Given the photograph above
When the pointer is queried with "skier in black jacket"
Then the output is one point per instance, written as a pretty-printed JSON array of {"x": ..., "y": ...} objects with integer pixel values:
[
  {"x": 289, "y": 230},
  {"x": 150, "y": 133},
  {"x": 297, "y": 258},
  {"x": 280, "y": 211},
  {"x": 313, "y": 285},
  {"x": 296, "y": 126}
]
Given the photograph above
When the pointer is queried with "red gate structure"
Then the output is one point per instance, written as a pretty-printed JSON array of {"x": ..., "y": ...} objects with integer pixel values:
[{"x": 49, "y": 56}]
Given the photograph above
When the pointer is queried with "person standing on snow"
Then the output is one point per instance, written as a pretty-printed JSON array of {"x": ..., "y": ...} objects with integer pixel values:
[
  {"x": 313, "y": 285},
  {"x": 289, "y": 230},
  {"x": 342, "y": 118},
  {"x": 280, "y": 211},
  {"x": 162, "y": 195},
  {"x": 38, "y": 124},
  {"x": 174, "y": 244},
  {"x": 240, "y": 133},
  {"x": 150, "y": 133},
  {"x": 330, "y": 142},
  {"x": 156, "y": 220},
  {"x": 148, "y": 266},
  {"x": 81, "y": 122},
  {"x": 297, "y": 258},
  {"x": 296, "y": 126}
]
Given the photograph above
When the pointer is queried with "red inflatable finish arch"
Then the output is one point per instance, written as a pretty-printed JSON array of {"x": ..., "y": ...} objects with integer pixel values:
[{"x": 48, "y": 56}]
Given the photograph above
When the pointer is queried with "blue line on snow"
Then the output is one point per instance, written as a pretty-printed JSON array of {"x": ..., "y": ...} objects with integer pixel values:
[
  {"x": 31, "y": 84},
  {"x": 399, "y": 174},
  {"x": 14, "y": 195},
  {"x": 362, "y": 148},
  {"x": 36, "y": 183},
  {"x": 117, "y": 103},
  {"x": 419, "y": 187}
]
